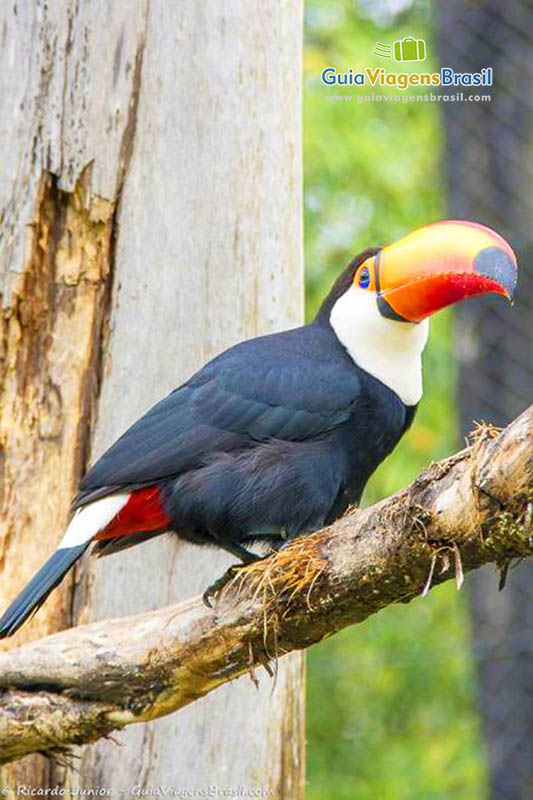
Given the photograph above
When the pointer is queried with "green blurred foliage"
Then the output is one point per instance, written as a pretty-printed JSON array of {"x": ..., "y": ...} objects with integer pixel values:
[
  {"x": 390, "y": 712},
  {"x": 392, "y": 702}
]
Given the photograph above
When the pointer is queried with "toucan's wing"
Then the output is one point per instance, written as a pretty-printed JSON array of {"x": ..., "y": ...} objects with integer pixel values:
[{"x": 249, "y": 394}]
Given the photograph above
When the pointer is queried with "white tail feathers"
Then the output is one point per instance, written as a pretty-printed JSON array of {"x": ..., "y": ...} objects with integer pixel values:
[{"x": 90, "y": 519}]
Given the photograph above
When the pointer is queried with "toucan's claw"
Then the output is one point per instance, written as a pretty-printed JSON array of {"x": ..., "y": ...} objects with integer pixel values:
[{"x": 211, "y": 591}]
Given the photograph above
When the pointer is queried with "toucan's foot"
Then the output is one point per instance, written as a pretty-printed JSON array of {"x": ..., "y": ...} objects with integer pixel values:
[{"x": 211, "y": 591}]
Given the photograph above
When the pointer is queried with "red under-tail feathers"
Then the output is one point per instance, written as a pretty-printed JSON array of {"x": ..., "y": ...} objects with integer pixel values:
[{"x": 142, "y": 512}]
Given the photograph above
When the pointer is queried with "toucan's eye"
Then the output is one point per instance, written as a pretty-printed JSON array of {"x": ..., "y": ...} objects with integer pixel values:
[{"x": 364, "y": 278}]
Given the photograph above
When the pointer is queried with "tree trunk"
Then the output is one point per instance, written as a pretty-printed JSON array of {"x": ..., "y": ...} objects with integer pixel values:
[
  {"x": 490, "y": 171},
  {"x": 151, "y": 218}
]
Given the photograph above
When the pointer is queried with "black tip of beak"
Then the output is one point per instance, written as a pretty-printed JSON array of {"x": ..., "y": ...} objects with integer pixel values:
[{"x": 498, "y": 265}]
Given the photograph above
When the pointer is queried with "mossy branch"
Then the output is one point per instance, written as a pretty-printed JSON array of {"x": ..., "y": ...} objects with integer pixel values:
[{"x": 79, "y": 685}]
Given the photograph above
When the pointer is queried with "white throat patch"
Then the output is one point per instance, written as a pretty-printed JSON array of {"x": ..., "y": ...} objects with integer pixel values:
[{"x": 390, "y": 351}]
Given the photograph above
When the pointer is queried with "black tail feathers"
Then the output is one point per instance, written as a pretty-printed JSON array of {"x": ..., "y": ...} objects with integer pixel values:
[{"x": 37, "y": 590}]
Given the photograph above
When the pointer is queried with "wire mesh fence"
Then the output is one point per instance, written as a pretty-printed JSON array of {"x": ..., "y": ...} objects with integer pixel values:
[{"x": 489, "y": 168}]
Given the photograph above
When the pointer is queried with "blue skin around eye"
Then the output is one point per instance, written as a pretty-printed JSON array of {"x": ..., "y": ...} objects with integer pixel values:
[{"x": 364, "y": 279}]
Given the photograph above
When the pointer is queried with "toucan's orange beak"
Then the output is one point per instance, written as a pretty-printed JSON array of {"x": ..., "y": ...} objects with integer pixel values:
[{"x": 439, "y": 265}]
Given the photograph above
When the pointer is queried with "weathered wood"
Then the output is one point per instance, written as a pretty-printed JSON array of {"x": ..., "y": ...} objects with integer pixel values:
[
  {"x": 471, "y": 509},
  {"x": 64, "y": 133},
  {"x": 151, "y": 206}
]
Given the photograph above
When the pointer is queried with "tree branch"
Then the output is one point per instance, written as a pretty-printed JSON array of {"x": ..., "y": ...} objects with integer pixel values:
[{"x": 79, "y": 685}]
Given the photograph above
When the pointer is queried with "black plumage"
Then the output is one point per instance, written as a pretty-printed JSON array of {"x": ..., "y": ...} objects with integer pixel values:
[{"x": 273, "y": 438}]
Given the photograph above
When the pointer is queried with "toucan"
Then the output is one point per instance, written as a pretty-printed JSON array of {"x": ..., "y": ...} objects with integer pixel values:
[{"x": 278, "y": 435}]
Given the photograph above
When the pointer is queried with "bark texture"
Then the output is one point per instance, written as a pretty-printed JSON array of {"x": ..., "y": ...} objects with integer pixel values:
[
  {"x": 471, "y": 509},
  {"x": 151, "y": 216}
]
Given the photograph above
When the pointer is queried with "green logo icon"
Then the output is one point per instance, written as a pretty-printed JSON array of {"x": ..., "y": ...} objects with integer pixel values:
[{"x": 407, "y": 49}]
